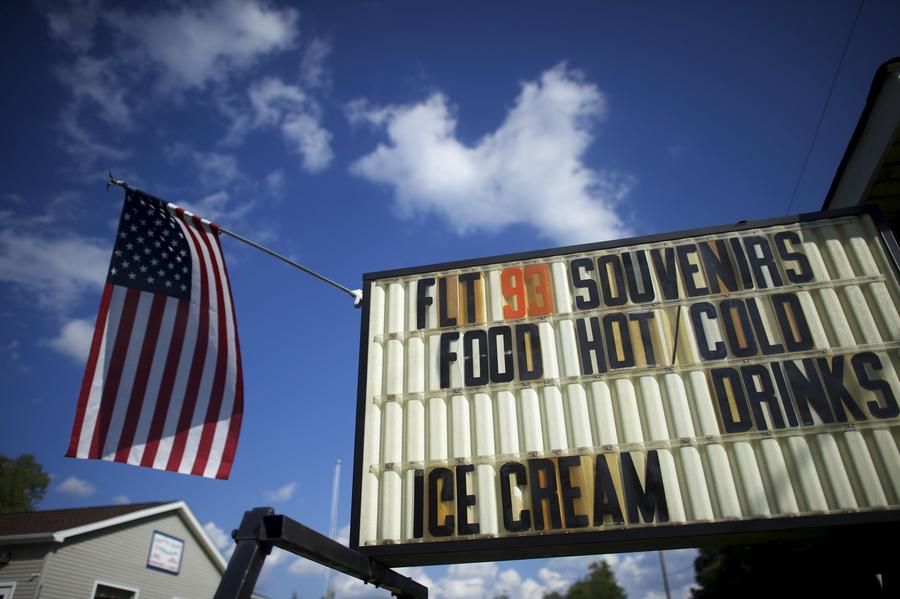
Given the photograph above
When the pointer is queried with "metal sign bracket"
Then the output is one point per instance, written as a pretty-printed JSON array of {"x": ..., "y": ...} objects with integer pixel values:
[{"x": 261, "y": 529}]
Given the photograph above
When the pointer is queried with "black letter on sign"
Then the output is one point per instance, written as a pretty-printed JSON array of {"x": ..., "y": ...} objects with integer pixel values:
[
  {"x": 718, "y": 351},
  {"x": 738, "y": 330},
  {"x": 765, "y": 392},
  {"x": 665, "y": 269},
  {"x": 468, "y": 281},
  {"x": 469, "y": 377},
  {"x": 781, "y": 245},
  {"x": 444, "y": 318},
  {"x": 762, "y": 335},
  {"x": 837, "y": 392},
  {"x": 650, "y": 499},
  {"x": 509, "y": 523},
  {"x": 643, "y": 319},
  {"x": 508, "y": 368},
  {"x": 570, "y": 493},
  {"x": 757, "y": 262},
  {"x": 717, "y": 265},
  {"x": 785, "y": 394},
  {"x": 423, "y": 300},
  {"x": 528, "y": 340},
  {"x": 890, "y": 408},
  {"x": 446, "y": 478},
  {"x": 594, "y": 344},
  {"x": 740, "y": 259},
  {"x": 808, "y": 391},
  {"x": 593, "y": 297},
  {"x": 606, "y": 500},
  {"x": 605, "y": 264},
  {"x": 792, "y": 320},
  {"x": 732, "y": 403},
  {"x": 418, "y": 501},
  {"x": 624, "y": 338},
  {"x": 543, "y": 490},
  {"x": 447, "y": 356},
  {"x": 688, "y": 269},
  {"x": 637, "y": 296},
  {"x": 463, "y": 501}
]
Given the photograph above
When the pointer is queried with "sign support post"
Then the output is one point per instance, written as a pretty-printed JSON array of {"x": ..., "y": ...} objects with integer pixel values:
[{"x": 261, "y": 529}]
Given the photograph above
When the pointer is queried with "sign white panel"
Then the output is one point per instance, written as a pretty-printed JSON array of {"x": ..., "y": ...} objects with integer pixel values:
[{"x": 730, "y": 375}]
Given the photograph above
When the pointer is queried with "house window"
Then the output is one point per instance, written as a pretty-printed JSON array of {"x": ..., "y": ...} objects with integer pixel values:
[{"x": 108, "y": 591}]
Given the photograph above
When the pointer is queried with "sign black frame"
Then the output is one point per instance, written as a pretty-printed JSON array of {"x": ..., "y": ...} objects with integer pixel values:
[{"x": 864, "y": 524}]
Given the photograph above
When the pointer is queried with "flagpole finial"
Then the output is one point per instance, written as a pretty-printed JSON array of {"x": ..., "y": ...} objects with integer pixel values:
[
  {"x": 357, "y": 297},
  {"x": 110, "y": 180}
]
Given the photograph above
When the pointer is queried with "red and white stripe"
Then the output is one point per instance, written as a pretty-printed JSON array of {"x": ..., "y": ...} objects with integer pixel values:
[{"x": 163, "y": 385}]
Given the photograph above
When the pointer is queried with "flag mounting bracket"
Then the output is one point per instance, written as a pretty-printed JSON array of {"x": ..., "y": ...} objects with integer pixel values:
[
  {"x": 262, "y": 529},
  {"x": 356, "y": 294}
]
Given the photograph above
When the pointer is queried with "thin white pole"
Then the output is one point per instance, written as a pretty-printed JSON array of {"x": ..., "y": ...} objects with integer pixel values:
[
  {"x": 332, "y": 526},
  {"x": 665, "y": 575}
]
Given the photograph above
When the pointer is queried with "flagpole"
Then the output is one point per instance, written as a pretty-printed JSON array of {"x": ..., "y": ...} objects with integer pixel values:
[{"x": 356, "y": 294}]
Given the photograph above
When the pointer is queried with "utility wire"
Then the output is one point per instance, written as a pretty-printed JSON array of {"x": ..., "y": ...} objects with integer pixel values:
[{"x": 815, "y": 136}]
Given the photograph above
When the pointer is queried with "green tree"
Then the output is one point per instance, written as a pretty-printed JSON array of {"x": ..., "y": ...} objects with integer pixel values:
[
  {"x": 598, "y": 583},
  {"x": 22, "y": 483}
]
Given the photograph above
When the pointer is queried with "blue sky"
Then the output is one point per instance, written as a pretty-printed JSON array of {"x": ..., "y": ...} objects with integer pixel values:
[{"x": 361, "y": 137}]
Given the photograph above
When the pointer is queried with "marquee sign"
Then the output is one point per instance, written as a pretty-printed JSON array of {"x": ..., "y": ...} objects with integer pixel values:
[{"x": 630, "y": 394}]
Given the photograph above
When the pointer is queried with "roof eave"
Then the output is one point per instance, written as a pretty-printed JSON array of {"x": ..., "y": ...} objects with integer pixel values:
[
  {"x": 29, "y": 538},
  {"x": 877, "y": 104}
]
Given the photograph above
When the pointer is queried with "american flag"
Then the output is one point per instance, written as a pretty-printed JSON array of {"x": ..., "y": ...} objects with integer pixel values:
[{"x": 163, "y": 386}]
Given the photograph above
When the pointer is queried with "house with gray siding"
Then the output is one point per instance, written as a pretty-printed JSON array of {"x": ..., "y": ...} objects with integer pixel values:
[{"x": 137, "y": 551}]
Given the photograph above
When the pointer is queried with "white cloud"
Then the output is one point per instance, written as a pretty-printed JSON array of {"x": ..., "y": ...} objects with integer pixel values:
[
  {"x": 216, "y": 168},
  {"x": 309, "y": 139},
  {"x": 11, "y": 349},
  {"x": 267, "y": 575},
  {"x": 634, "y": 567},
  {"x": 92, "y": 81},
  {"x": 459, "y": 581},
  {"x": 153, "y": 57},
  {"x": 79, "y": 141},
  {"x": 291, "y": 110},
  {"x": 471, "y": 581},
  {"x": 173, "y": 53},
  {"x": 76, "y": 486},
  {"x": 313, "y": 73},
  {"x": 72, "y": 23},
  {"x": 275, "y": 183},
  {"x": 464, "y": 581},
  {"x": 54, "y": 271},
  {"x": 281, "y": 494},
  {"x": 218, "y": 207},
  {"x": 74, "y": 339},
  {"x": 305, "y": 567},
  {"x": 219, "y": 537},
  {"x": 553, "y": 580},
  {"x": 343, "y": 535},
  {"x": 638, "y": 573},
  {"x": 121, "y": 499},
  {"x": 530, "y": 170},
  {"x": 196, "y": 44}
]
